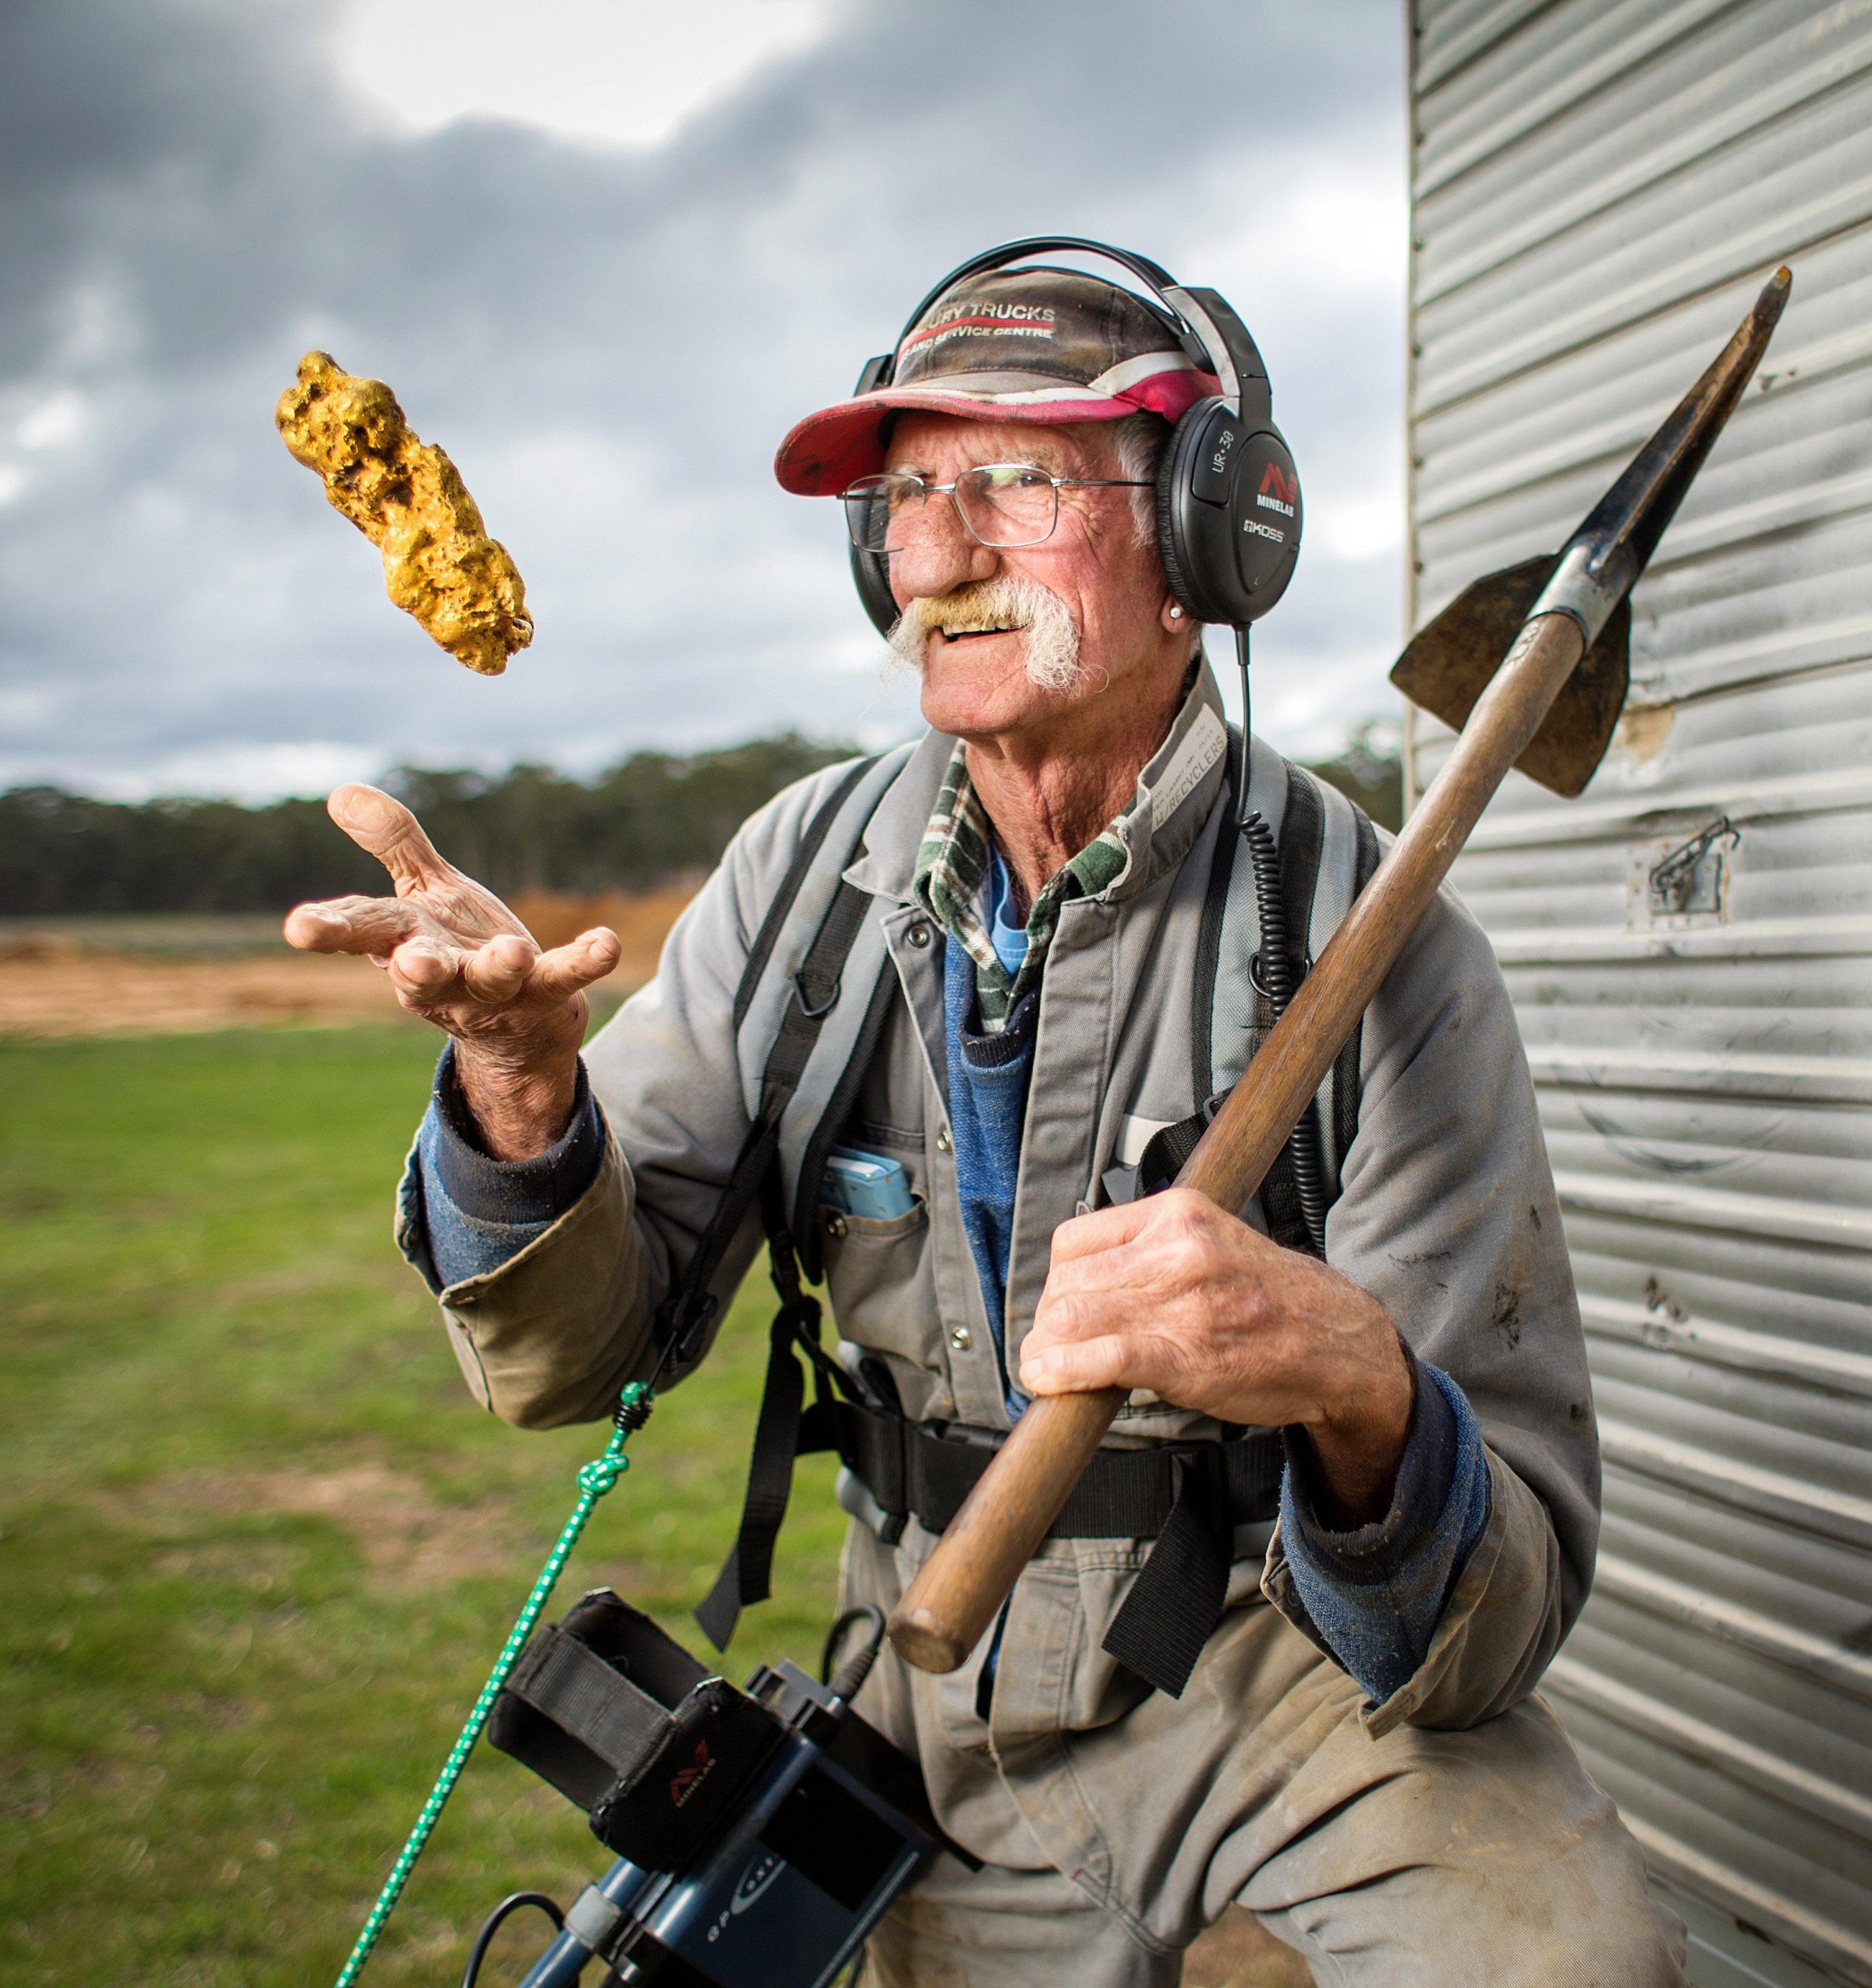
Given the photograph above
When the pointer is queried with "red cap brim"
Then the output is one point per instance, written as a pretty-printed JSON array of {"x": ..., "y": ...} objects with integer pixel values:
[{"x": 825, "y": 452}]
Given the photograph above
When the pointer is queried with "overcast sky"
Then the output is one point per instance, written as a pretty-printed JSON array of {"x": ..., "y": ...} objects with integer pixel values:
[{"x": 606, "y": 251}]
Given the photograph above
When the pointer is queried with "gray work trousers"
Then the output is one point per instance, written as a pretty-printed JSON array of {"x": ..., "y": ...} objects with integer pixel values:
[
  {"x": 1487, "y": 1858},
  {"x": 1113, "y": 1828}
]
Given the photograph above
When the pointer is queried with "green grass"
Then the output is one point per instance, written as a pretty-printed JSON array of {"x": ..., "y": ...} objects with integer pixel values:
[{"x": 258, "y": 1546}]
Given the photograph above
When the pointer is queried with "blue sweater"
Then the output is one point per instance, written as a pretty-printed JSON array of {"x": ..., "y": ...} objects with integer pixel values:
[
  {"x": 474, "y": 1212},
  {"x": 988, "y": 1075}
]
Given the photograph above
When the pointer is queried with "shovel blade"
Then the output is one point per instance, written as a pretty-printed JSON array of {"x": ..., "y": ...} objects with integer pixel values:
[{"x": 1449, "y": 662}]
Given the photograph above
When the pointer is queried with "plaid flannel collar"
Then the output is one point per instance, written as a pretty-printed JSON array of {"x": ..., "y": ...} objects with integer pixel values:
[{"x": 951, "y": 866}]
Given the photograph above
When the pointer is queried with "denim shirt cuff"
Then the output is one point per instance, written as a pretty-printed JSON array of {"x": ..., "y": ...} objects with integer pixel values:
[
  {"x": 1426, "y": 1470},
  {"x": 519, "y": 1192},
  {"x": 1376, "y": 1594}
]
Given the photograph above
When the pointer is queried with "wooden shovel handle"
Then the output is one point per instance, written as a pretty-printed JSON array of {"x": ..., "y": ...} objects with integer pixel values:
[
  {"x": 960, "y": 1587},
  {"x": 978, "y": 1560}
]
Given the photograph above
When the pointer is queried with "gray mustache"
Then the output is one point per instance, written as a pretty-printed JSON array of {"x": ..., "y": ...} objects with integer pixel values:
[{"x": 1052, "y": 636}]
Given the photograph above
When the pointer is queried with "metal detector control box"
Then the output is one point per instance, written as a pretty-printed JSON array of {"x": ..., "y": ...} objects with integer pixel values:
[{"x": 762, "y": 1834}]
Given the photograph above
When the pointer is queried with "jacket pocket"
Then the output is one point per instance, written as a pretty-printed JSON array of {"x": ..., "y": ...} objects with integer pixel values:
[{"x": 879, "y": 1276}]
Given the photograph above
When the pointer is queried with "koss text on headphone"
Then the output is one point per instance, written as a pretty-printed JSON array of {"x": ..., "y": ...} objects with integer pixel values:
[{"x": 1228, "y": 496}]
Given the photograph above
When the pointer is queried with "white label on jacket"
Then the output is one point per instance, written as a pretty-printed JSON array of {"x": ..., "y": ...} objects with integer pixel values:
[
  {"x": 1201, "y": 747},
  {"x": 1134, "y": 1134}
]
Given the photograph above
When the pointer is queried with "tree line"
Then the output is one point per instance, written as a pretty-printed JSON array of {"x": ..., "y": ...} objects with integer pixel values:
[{"x": 652, "y": 820}]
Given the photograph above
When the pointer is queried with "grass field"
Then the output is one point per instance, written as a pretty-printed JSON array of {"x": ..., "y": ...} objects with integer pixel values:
[{"x": 259, "y": 1546}]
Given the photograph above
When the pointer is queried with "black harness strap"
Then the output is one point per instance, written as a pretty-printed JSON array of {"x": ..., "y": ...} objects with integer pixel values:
[
  {"x": 686, "y": 1313},
  {"x": 1176, "y": 1600},
  {"x": 1345, "y": 1071},
  {"x": 590, "y": 1699},
  {"x": 1280, "y": 1202},
  {"x": 810, "y": 844},
  {"x": 1302, "y": 840},
  {"x": 815, "y": 992},
  {"x": 746, "y": 1574},
  {"x": 1209, "y": 943},
  {"x": 1162, "y": 1158}
]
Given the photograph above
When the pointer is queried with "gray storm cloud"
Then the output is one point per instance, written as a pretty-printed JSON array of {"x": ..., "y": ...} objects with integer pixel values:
[{"x": 611, "y": 344}]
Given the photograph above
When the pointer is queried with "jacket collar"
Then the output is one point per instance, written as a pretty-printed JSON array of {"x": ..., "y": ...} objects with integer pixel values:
[{"x": 1175, "y": 792}]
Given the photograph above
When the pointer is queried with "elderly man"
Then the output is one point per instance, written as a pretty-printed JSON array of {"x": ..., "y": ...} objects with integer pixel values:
[{"x": 1350, "y": 1750}]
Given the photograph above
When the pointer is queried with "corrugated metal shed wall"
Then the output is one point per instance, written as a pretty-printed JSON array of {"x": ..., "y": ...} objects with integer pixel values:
[{"x": 1600, "y": 185}]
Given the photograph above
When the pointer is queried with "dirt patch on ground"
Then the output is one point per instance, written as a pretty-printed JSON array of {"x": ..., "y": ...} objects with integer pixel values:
[
  {"x": 404, "y": 1536},
  {"x": 133, "y": 978},
  {"x": 640, "y": 919},
  {"x": 61, "y": 988}
]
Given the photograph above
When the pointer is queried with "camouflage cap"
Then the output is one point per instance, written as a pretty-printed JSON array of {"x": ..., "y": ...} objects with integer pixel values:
[{"x": 1040, "y": 344}]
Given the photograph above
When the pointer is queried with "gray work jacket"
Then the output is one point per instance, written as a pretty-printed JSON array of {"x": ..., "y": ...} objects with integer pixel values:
[{"x": 1446, "y": 1215}]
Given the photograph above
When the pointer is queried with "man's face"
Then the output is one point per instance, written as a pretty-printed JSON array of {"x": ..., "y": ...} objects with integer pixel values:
[{"x": 1109, "y": 584}]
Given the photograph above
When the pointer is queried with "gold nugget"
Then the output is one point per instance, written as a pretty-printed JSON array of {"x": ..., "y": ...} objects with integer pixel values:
[{"x": 407, "y": 499}]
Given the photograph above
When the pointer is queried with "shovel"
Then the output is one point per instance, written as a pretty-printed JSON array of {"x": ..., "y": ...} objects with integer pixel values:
[{"x": 1531, "y": 665}]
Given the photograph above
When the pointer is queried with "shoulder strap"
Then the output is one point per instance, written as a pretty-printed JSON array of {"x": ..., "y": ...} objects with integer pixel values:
[
  {"x": 1348, "y": 844},
  {"x": 746, "y": 1574},
  {"x": 1295, "y": 1197},
  {"x": 1327, "y": 851},
  {"x": 816, "y": 977},
  {"x": 691, "y": 1304},
  {"x": 1302, "y": 839},
  {"x": 1203, "y": 1013},
  {"x": 792, "y": 922},
  {"x": 809, "y": 965},
  {"x": 810, "y": 844}
]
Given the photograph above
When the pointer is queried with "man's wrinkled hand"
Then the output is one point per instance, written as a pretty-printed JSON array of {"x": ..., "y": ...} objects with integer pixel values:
[
  {"x": 456, "y": 956},
  {"x": 1172, "y": 1294}
]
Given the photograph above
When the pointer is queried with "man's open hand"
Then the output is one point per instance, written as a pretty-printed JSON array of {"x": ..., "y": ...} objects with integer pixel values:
[
  {"x": 457, "y": 957},
  {"x": 1170, "y": 1293}
]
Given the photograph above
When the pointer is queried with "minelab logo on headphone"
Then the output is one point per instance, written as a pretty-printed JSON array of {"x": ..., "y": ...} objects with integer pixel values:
[
  {"x": 1279, "y": 490},
  {"x": 686, "y": 1780}
]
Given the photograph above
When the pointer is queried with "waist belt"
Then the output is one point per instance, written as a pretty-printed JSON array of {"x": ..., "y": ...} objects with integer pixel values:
[
  {"x": 1187, "y": 1497},
  {"x": 928, "y": 1469}
]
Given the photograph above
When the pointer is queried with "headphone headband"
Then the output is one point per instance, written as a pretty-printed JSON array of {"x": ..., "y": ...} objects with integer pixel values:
[{"x": 1209, "y": 332}]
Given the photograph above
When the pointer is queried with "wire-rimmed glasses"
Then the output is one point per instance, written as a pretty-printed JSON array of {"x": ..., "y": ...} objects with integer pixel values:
[{"x": 1001, "y": 504}]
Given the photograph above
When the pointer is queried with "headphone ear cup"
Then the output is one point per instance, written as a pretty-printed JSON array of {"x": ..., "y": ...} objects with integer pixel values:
[
  {"x": 871, "y": 575},
  {"x": 1228, "y": 515},
  {"x": 1265, "y": 518},
  {"x": 1170, "y": 547},
  {"x": 1195, "y": 523}
]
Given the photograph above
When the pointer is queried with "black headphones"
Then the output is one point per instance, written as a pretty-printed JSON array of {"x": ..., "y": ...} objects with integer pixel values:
[{"x": 1228, "y": 496}]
